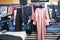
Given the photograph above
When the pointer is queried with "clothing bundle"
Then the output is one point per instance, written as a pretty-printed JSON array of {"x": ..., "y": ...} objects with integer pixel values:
[
  {"x": 16, "y": 18},
  {"x": 5, "y": 12},
  {"x": 22, "y": 19},
  {"x": 40, "y": 17}
]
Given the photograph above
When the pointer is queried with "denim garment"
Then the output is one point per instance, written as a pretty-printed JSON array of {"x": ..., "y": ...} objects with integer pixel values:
[
  {"x": 27, "y": 11},
  {"x": 11, "y": 25},
  {"x": 0, "y": 25},
  {"x": 53, "y": 11}
]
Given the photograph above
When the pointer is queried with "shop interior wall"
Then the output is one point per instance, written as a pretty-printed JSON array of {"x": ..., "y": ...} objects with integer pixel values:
[
  {"x": 12, "y": 1},
  {"x": 9, "y": 1},
  {"x": 17, "y": 1}
]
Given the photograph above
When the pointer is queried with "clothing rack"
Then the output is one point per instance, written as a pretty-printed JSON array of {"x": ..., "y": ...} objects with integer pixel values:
[{"x": 9, "y": 4}]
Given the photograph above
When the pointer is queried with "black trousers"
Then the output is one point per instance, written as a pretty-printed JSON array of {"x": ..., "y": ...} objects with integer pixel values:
[{"x": 18, "y": 26}]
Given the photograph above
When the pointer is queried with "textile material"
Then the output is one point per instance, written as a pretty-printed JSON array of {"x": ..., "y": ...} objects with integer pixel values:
[
  {"x": 27, "y": 26},
  {"x": 15, "y": 12},
  {"x": 27, "y": 11},
  {"x": 9, "y": 37},
  {"x": 11, "y": 25},
  {"x": 18, "y": 26},
  {"x": 41, "y": 19},
  {"x": 33, "y": 16},
  {"x": 0, "y": 25},
  {"x": 10, "y": 10},
  {"x": 58, "y": 12},
  {"x": 3, "y": 11},
  {"x": 5, "y": 26},
  {"x": 53, "y": 13},
  {"x": 5, "y": 18}
]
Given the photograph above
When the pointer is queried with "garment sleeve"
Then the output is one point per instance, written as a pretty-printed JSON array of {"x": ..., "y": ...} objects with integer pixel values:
[
  {"x": 47, "y": 17},
  {"x": 33, "y": 16},
  {"x": 15, "y": 12},
  {"x": 10, "y": 10},
  {"x": 33, "y": 13}
]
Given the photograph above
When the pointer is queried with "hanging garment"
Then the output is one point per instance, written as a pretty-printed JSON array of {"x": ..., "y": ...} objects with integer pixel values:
[
  {"x": 34, "y": 8},
  {"x": 28, "y": 27},
  {"x": 3, "y": 11},
  {"x": 10, "y": 10},
  {"x": 19, "y": 21},
  {"x": 53, "y": 13},
  {"x": 0, "y": 25},
  {"x": 15, "y": 12},
  {"x": 58, "y": 12},
  {"x": 27, "y": 11},
  {"x": 41, "y": 18},
  {"x": 11, "y": 25}
]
